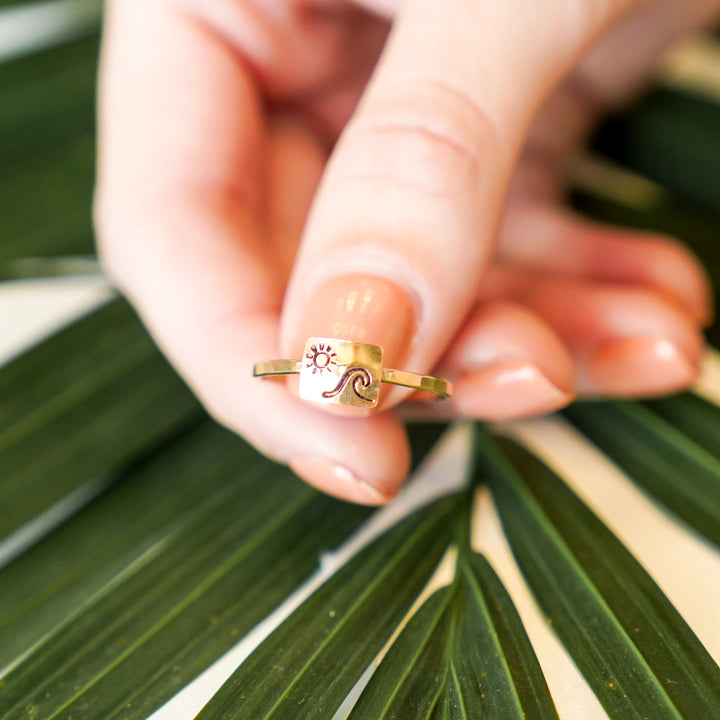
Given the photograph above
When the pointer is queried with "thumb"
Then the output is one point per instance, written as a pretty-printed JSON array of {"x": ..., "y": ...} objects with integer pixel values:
[{"x": 404, "y": 221}]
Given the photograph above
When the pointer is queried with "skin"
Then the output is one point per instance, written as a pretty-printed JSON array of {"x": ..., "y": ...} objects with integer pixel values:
[{"x": 265, "y": 163}]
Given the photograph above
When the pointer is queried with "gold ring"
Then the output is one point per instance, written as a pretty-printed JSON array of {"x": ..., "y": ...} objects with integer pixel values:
[{"x": 342, "y": 372}]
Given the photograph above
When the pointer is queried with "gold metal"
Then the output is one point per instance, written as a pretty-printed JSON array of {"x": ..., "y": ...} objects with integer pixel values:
[
  {"x": 426, "y": 383},
  {"x": 342, "y": 372},
  {"x": 276, "y": 367}
]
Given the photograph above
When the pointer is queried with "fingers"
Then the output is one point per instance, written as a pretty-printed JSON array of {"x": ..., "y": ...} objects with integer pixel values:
[
  {"x": 181, "y": 140},
  {"x": 625, "y": 340},
  {"x": 180, "y": 216},
  {"x": 403, "y": 224},
  {"x": 548, "y": 238},
  {"x": 535, "y": 340},
  {"x": 295, "y": 162}
]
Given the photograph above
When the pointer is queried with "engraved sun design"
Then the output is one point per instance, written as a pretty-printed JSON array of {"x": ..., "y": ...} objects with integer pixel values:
[{"x": 321, "y": 358}]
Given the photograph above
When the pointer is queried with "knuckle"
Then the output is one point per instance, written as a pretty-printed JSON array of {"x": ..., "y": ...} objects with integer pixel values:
[{"x": 426, "y": 134}]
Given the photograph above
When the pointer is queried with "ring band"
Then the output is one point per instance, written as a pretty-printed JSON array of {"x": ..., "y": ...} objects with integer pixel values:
[
  {"x": 426, "y": 383},
  {"x": 347, "y": 373}
]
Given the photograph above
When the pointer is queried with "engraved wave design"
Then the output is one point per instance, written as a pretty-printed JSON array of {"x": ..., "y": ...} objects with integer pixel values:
[{"x": 358, "y": 376}]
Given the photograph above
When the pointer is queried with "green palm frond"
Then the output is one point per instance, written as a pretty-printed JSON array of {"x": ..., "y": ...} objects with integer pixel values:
[
  {"x": 307, "y": 667},
  {"x": 66, "y": 403},
  {"x": 464, "y": 654},
  {"x": 680, "y": 459},
  {"x": 47, "y": 157},
  {"x": 670, "y": 136},
  {"x": 634, "y": 649},
  {"x": 139, "y": 592}
]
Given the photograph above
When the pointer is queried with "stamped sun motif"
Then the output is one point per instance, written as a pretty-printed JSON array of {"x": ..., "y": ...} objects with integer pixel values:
[{"x": 321, "y": 358}]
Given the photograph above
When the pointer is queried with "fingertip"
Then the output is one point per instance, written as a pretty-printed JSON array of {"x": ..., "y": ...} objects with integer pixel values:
[
  {"x": 656, "y": 261},
  {"x": 638, "y": 367},
  {"x": 367, "y": 462},
  {"x": 508, "y": 363},
  {"x": 676, "y": 269},
  {"x": 503, "y": 335},
  {"x": 338, "y": 480},
  {"x": 506, "y": 391},
  {"x": 361, "y": 460},
  {"x": 364, "y": 461}
]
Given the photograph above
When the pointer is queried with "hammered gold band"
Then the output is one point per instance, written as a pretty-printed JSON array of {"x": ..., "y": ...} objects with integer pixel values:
[{"x": 354, "y": 373}]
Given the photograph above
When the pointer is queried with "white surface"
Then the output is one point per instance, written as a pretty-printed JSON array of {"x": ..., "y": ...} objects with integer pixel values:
[
  {"x": 29, "y": 309},
  {"x": 34, "y": 26},
  {"x": 687, "y": 568}
]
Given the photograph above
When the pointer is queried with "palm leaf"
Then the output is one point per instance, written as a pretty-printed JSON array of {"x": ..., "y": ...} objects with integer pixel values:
[
  {"x": 634, "y": 649},
  {"x": 48, "y": 201},
  {"x": 47, "y": 97},
  {"x": 670, "y": 136},
  {"x": 464, "y": 654},
  {"x": 680, "y": 459},
  {"x": 57, "y": 397},
  {"x": 6, "y": 4},
  {"x": 307, "y": 667},
  {"x": 144, "y": 606},
  {"x": 48, "y": 154},
  {"x": 602, "y": 193}
]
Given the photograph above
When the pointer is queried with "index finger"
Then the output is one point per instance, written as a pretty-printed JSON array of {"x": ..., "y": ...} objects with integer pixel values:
[{"x": 182, "y": 141}]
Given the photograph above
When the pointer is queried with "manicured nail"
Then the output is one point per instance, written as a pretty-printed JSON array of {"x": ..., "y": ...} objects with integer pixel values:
[
  {"x": 638, "y": 367},
  {"x": 506, "y": 390},
  {"x": 363, "y": 309},
  {"x": 337, "y": 480}
]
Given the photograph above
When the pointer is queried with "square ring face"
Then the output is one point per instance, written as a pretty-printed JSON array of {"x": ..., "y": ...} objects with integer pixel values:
[{"x": 341, "y": 372}]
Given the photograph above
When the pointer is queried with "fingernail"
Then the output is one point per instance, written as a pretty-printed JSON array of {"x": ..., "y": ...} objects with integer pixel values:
[
  {"x": 337, "y": 480},
  {"x": 363, "y": 309},
  {"x": 638, "y": 367},
  {"x": 506, "y": 390}
]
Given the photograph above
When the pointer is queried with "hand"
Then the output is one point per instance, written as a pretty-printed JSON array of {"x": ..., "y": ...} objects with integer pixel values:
[{"x": 439, "y": 207}]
